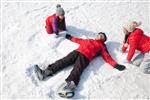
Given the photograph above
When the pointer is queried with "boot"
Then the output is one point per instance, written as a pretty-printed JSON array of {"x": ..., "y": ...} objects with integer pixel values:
[
  {"x": 42, "y": 74},
  {"x": 67, "y": 89}
]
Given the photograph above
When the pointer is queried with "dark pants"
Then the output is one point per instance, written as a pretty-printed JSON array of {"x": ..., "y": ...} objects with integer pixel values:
[{"x": 80, "y": 63}]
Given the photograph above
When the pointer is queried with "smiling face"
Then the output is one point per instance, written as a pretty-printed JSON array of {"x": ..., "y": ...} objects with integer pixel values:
[
  {"x": 100, "y": 37},
  {"x": 61, "y": 17}
]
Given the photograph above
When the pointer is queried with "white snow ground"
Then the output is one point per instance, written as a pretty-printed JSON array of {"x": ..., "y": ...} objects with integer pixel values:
[{"x": 25, "y": 42}]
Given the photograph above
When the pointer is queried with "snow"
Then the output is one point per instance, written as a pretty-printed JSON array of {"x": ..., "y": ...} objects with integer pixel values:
[{"x": 25, "y": 43}]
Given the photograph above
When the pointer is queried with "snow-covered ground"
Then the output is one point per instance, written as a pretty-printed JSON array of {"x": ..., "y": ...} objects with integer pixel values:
[{"x": 25, "y": 42}]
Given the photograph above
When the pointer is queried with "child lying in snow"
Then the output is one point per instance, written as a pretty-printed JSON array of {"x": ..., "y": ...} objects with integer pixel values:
[
  {"x": 81, "y": 57},
  {"x": 137, "y": 40},
  {"x": 56, "y": 22}
]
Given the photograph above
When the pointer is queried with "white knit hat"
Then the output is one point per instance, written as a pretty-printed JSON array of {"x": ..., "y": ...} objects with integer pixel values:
[
  {"x": 130, "y": 27},
  {"x": 59, "y": 10}
]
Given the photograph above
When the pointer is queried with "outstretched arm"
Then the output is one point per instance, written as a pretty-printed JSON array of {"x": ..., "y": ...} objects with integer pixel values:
[
  {"x": 106, "y": 56},
  {"x": 74, "y": 39}
]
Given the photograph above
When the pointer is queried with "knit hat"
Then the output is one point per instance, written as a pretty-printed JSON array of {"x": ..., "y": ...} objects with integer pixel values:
[
  {"x": 130, "y": 27},
  {"x": 59, "y": 11},
  {"x": 105, "y": 37}
]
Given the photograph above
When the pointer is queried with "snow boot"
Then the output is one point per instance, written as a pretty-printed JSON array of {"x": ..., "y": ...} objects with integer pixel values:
[
  {"x": 42, "y": 74},
  {"x": 67, "y": 89}
]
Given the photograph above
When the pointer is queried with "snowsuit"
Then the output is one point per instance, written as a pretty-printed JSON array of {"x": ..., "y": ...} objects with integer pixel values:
[
  {"x": 81, "y": 57},
  {"x": 54, "y": 25},
  {"x": 138, "y": 41}
]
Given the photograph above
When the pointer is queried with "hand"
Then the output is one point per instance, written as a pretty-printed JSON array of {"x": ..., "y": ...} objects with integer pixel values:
[
  {"x": 120, "y": 67},
  {"x": 68, "y": 36},
  {"x": 125, "y": 44},
  {"x": 124, "y": 47}
]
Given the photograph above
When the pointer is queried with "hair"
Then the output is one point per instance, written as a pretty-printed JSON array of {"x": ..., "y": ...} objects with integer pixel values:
[
  {"x": 58, "y": 5},
  {"x": 126, "y": 38},
  {"x": 104, "y": 35}
]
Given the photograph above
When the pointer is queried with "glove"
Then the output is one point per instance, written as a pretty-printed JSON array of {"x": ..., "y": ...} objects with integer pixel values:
[
  {"x": 120, "y": 67},
  {"x": 56, "y": 33},
  {"x": 68, "y": 36}
]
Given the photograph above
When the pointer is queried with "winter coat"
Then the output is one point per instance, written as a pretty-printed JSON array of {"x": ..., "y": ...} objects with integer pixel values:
[
  {"x": 90, "y": 48},
  {"x": 137, "y": 41},
  {"x": 53, "y": 25}
]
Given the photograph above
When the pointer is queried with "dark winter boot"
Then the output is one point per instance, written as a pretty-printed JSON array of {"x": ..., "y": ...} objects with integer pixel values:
[
  {"x": 42, "y": 74},
  {"x": 66, "y": 90}
]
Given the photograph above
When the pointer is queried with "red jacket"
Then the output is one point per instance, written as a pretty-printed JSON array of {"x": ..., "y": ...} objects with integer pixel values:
[
  {"x": 137, "y": 41},
  {"x": 90, "y": 48},
  {"x": 53, "y": 24}
]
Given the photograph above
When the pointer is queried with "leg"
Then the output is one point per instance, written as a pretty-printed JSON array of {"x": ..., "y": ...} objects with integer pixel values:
[
  {"x": 64, "y": 62},
  {"x": 67, "y": 89},
  {"x": 138, "y": 59},
  {"x": 58, "y": 65},
  {"x": 80, "y": 64},
  {"x": 145, "y": 65}
]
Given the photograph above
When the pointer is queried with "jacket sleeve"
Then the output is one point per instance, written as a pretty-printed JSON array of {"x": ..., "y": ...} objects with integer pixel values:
[
  {"x": 131, "y": 53},
  {"x": 132, "y": 49},
  {"x": 133, "y": 42},
  {"x": 77, "y": 40},
  {"x": 55, "y": 25},
  {"x": 106, "y": 56}
]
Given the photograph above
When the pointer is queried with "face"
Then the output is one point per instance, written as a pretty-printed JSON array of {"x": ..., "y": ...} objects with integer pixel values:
[
  {"x": 61, "y": 17},
  {"x": 99, "y": 37}
]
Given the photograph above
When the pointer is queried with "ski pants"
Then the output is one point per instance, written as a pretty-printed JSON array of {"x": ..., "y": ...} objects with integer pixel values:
[{"x": 80, "y": 63}]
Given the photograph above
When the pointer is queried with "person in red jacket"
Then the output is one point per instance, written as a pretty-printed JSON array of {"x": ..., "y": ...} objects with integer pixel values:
[
  {"x": 56, "y": 22},
  {"x": 137, "y": 40},
  {"x": 81, "y": 57}
]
